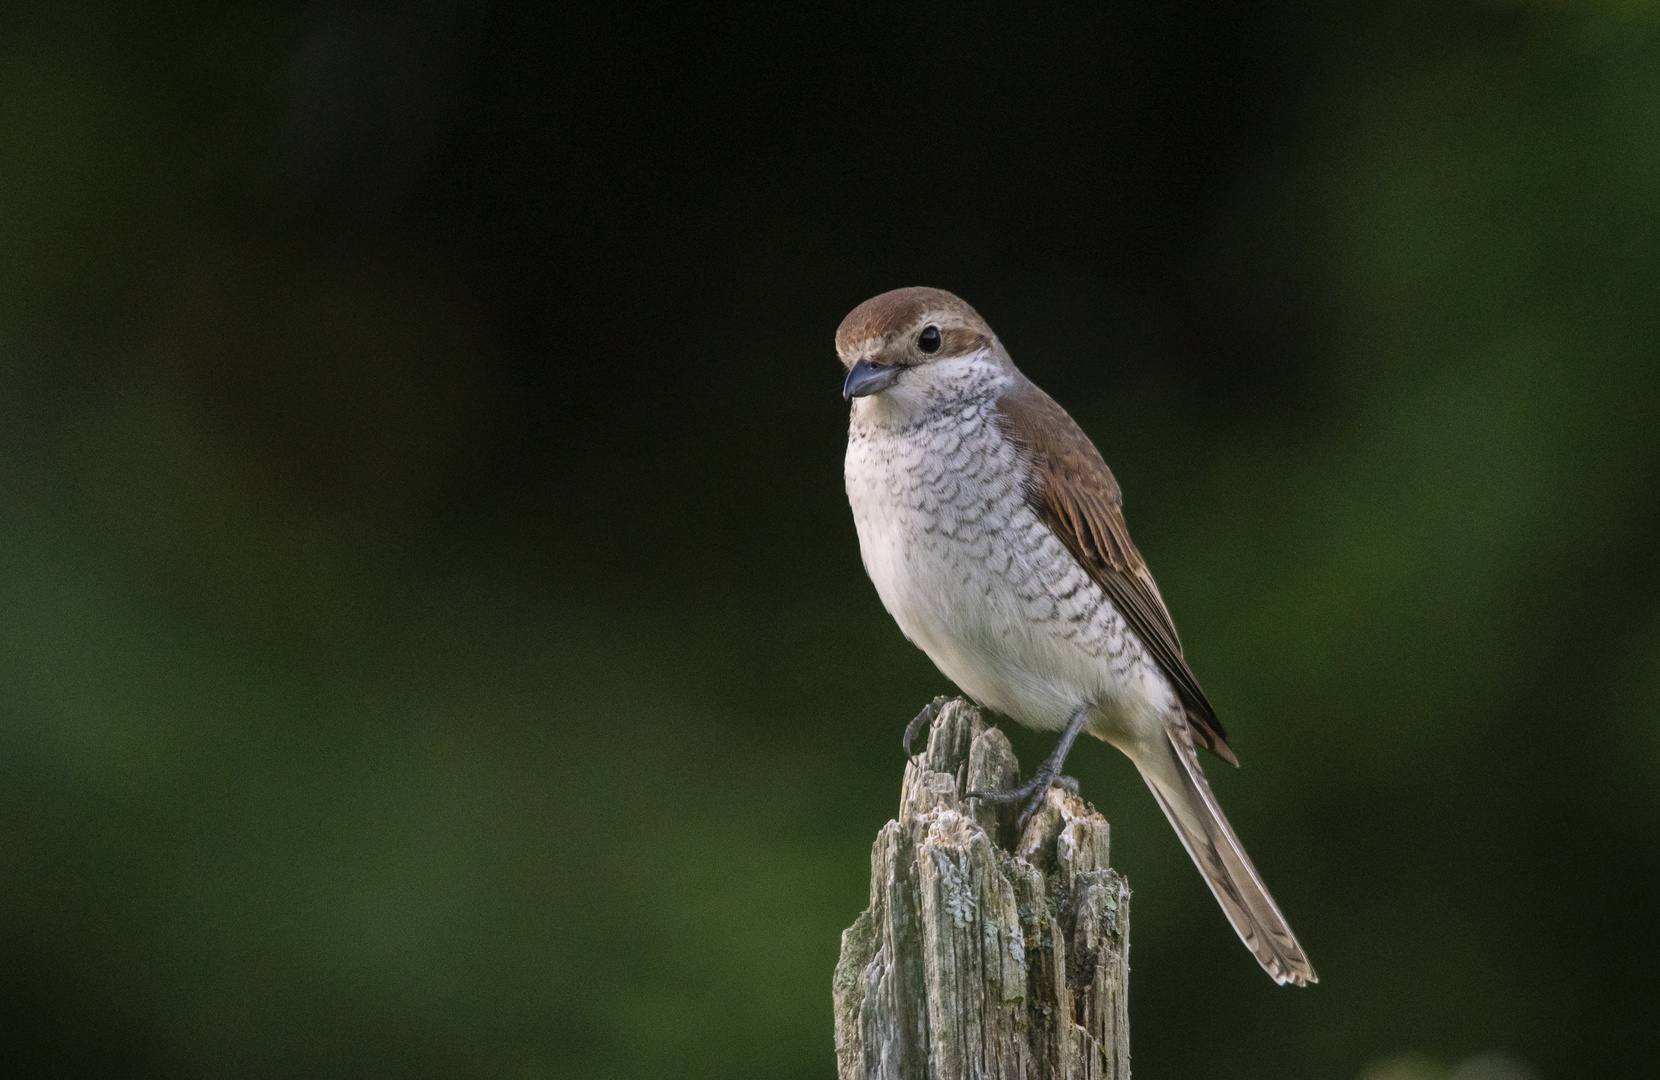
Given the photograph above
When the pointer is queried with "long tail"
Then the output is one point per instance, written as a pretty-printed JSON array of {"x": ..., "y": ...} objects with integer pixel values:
[{"x": 1185, "y": 796}]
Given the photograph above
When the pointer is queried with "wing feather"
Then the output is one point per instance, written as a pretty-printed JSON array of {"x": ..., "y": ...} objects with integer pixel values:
[{"x": 1076, "y": 495}]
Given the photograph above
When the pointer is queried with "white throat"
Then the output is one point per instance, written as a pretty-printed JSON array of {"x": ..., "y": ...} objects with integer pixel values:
[{"x": 928, "y": 388}]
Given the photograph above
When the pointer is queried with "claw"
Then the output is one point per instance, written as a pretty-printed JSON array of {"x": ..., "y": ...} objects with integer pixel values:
[
  {"x": 922, "y": 720},
  {"x": 1026, "y": 814},
  {"x": 1031, "y": 792}
]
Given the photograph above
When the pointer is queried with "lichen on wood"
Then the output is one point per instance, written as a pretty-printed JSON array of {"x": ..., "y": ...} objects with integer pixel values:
[{"x": 984, "y": 953}]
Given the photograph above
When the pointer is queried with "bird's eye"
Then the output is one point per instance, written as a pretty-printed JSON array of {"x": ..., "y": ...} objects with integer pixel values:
[{"x": 929, "y": 340}]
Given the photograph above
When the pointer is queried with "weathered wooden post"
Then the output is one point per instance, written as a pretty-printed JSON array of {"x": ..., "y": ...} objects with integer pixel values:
[{"x": 983, "y": 954}]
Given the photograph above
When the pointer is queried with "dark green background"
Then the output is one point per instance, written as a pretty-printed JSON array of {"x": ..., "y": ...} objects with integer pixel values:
[{"x": 432, "y": 634}]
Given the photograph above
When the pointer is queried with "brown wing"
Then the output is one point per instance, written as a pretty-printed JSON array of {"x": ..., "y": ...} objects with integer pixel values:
[{"x": 1075, "y": 493}]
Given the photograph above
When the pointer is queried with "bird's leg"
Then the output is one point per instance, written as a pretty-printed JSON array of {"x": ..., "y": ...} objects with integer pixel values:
[
  {"x": 1035, "y": 788},
  {"x": 922, "y": 720}
]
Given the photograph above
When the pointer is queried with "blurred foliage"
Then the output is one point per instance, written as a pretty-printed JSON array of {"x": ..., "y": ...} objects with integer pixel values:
[{"x": 432, "y": 639}]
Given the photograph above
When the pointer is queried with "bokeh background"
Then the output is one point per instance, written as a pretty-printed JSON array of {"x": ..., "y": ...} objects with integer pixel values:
[{"x": 432, "y": 634}]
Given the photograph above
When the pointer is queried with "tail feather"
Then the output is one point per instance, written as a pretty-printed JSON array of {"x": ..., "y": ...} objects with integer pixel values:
[{"x": 1185, "y": 796}]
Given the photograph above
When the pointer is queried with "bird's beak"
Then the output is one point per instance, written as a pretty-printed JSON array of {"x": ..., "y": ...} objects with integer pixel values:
[{"x": 865, "y": 378}]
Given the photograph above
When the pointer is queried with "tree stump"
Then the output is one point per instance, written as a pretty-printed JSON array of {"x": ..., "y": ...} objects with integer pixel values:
[{"x": 983, "y": 954}]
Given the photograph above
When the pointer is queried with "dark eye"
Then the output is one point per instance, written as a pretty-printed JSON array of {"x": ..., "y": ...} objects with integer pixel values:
[{"x": 929, "y": 340}]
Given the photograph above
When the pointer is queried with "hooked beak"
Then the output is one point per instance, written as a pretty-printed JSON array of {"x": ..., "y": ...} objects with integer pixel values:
[{"x": 865, "y": 378}]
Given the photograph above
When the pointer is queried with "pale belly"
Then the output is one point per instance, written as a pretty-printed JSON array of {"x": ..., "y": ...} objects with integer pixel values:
[{"x": 973, "y": 576}]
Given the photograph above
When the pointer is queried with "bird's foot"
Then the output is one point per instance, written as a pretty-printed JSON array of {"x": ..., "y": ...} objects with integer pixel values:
[
  {"x": 1033, "y": 790},
  {"x": 922, "y": 720},
  {"x": 1069, "y": 784}
]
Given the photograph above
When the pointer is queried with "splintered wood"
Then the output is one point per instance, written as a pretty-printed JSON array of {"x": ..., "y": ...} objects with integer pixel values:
[{"x": 983, "y": 954}]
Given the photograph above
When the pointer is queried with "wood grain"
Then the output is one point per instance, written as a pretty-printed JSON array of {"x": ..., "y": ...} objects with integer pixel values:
[{"x": 983, "y": 954}]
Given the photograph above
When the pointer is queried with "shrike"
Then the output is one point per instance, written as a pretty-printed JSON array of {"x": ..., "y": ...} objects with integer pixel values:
[{"x": 995, "y": 536}]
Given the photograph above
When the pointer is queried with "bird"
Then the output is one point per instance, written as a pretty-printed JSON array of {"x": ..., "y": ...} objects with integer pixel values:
[{"x": 995, "y": 536}]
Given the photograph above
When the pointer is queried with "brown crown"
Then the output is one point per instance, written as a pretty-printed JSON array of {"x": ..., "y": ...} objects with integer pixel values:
[{"x": 903, "y": 312}]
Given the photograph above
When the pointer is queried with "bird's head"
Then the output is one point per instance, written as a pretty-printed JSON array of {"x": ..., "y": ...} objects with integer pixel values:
[{"x": 898, "y": 344}]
